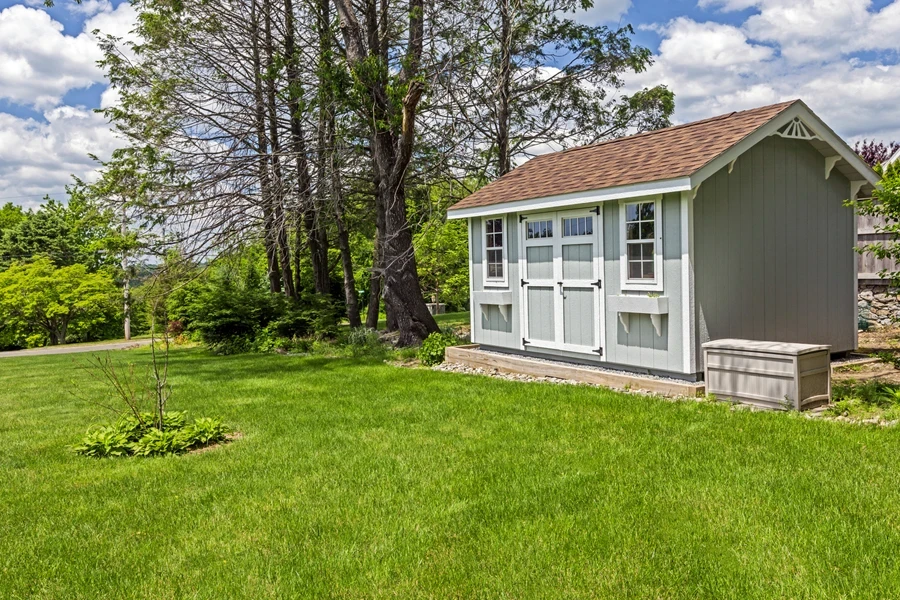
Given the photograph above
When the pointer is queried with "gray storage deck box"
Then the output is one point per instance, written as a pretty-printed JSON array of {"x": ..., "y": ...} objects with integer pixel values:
[{"x": 768, "y": 374}]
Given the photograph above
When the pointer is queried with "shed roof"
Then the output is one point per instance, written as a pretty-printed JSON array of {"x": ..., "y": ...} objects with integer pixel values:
[{"x": 654, "y": 156}]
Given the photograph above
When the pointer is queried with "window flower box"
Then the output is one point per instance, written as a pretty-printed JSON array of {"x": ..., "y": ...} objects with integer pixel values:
[{"x": 655, "y": 306}]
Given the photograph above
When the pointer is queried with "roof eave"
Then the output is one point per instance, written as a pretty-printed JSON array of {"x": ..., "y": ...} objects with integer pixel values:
[{"x": 636, "y": 190}]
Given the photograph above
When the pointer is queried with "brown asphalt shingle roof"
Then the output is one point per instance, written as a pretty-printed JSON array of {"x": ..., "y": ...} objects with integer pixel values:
[{"x": 667, "y": 153}]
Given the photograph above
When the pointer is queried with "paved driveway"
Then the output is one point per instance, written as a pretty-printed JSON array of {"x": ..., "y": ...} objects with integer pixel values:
[{"x": 74, "y": 348}]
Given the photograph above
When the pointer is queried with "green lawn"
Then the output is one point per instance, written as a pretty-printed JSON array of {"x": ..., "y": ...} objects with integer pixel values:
[
  {"x": 357, "y": 479},
  {"x": 454, "y": 318}
]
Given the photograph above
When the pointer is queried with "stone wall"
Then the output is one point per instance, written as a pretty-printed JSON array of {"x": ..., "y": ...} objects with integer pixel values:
[{"x": 877, "y": 307}]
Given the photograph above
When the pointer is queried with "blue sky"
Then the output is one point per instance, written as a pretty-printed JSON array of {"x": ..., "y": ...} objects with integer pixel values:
[{"x": 840, "y": 56}]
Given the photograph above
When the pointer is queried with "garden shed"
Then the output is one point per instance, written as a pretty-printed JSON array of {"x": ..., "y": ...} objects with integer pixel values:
[{"x": 632, "y": 253}]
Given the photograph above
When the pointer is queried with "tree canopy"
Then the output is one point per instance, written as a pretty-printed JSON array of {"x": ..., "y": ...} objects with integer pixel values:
[
  {"x": 75, "y": 232},
  {"x": 41, "y": 302},
  {"x": 320, "y": 129}
]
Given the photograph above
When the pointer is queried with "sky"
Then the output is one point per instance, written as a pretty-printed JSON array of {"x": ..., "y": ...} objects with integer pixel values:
[{"x": 840, "y": 56}]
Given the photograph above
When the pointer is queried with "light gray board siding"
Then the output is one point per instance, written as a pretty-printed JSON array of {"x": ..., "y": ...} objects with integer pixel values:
[
  {"x": 773, "y": 250},
  {"x": 578, "y": 316},
  {"x": 494, "y": 330},
  {"x": 641, "y": 347},
  {"x": 539, "y": 262},
  {"x": 577, "y": 261},
  {"x": 492, "y": 320}
]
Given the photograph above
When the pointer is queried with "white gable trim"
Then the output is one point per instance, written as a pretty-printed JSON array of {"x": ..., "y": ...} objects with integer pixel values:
[
  {"x": 893, "y": 158},
  {"x": 822, "y": 131},
  {"x": 590, "y": 197}
]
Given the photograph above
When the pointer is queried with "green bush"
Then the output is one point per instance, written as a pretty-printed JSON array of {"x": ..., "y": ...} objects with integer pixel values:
[
  {"x": 133, "y": 436},
  {"x": 432, "y": 351},
  {"x": 862, "y": 399},
  {"x": 365, "y": 342},
  {"x": 232, "y": 316}
]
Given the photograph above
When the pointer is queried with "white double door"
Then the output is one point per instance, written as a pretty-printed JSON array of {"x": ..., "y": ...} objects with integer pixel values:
[{"x": 562, "y": 296}]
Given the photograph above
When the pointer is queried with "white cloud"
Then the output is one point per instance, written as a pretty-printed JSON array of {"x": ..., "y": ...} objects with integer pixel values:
[
  {"x": 714, "y": 68},
  {"x": 38, "y": 158},
  {"x": 39, "y": 64},
  {"x": 118, "y": 22},
  {"x": 89, "y": 7},
  {"x": 603, "y": 11},
  {"x": 701, "y": 62},
  {"x": 818, "y": 30}
]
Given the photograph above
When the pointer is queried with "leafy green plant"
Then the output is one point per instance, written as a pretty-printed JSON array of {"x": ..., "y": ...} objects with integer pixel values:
[
  {"x": 890, "y": 357},
  {"x": 158, "y": 443},
  {"x": 135, "y": 435},
  {"x": 106, "y": 441},
  {"x": 204, "y": 431},
  {"x": 432, "y": 350},
  {"x": 232, "y": 312},
  {"x": 863, "y": 399}
]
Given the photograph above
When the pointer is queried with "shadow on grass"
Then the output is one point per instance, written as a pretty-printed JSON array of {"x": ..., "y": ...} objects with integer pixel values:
[{"x": 199, "y": 362}]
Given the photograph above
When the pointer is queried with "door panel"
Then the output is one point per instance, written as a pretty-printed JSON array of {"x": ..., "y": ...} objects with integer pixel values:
[
  {"x": 540, "y": 313},
  {"x": 578, "y": 316},
  {"x": 577, "y": 260},
  {"x": 540, "y": 262}
]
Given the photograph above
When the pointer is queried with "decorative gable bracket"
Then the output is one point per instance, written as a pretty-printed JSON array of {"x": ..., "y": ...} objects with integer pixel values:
[
  {"x": 797, "y": 130},
  {"x": 830, "y": 161}
]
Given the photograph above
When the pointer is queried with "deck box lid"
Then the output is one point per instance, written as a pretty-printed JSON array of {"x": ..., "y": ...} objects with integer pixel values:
[{"x": 787, "y": 348}]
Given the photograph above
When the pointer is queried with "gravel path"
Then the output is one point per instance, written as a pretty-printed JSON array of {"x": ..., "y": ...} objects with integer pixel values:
[{"x": 76, "y": 348}]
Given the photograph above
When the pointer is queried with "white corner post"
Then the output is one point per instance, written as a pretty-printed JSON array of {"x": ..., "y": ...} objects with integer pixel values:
[
  {"x": 471, "y": 285},
  {"x": 688, "y": 314},
  {"x": 855, "y": 186}
]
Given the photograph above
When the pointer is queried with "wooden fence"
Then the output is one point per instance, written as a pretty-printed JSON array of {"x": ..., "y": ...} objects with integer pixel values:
[{"x": 868, "y": 265}]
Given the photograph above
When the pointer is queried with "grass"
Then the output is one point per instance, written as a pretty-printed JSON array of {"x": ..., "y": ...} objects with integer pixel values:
[
  {"x": 357, "y": 479},
  {"x": 865, "y": 400},
  {"x": 446, "y": 319}
]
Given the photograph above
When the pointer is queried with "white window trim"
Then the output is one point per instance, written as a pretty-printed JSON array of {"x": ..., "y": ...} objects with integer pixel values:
[
  {"x": 656, "y": 285},
  {"x": 495, "y": 282}
]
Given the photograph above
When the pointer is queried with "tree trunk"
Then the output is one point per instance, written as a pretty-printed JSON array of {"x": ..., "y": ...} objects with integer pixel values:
[
  {"x": 298, "y": 146},
  {"x": 318, "y": 234},
  {"x": 503, "y": 85},
  {"x": 269, "y": 235},
  {"x": 337, "y": 197},
  {"x": 391, "y": 156},
  {"x": 276, "y": 197},
  {"x": 350, "y": 295},
  {"x": 126, "y": 287},
  {"x": 375, "y": 283}
]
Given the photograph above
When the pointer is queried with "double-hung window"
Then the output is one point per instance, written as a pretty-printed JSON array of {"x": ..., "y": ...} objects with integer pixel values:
[
  {"x": 494, "y": 252},
  {"x": 642, "y": 251}
]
